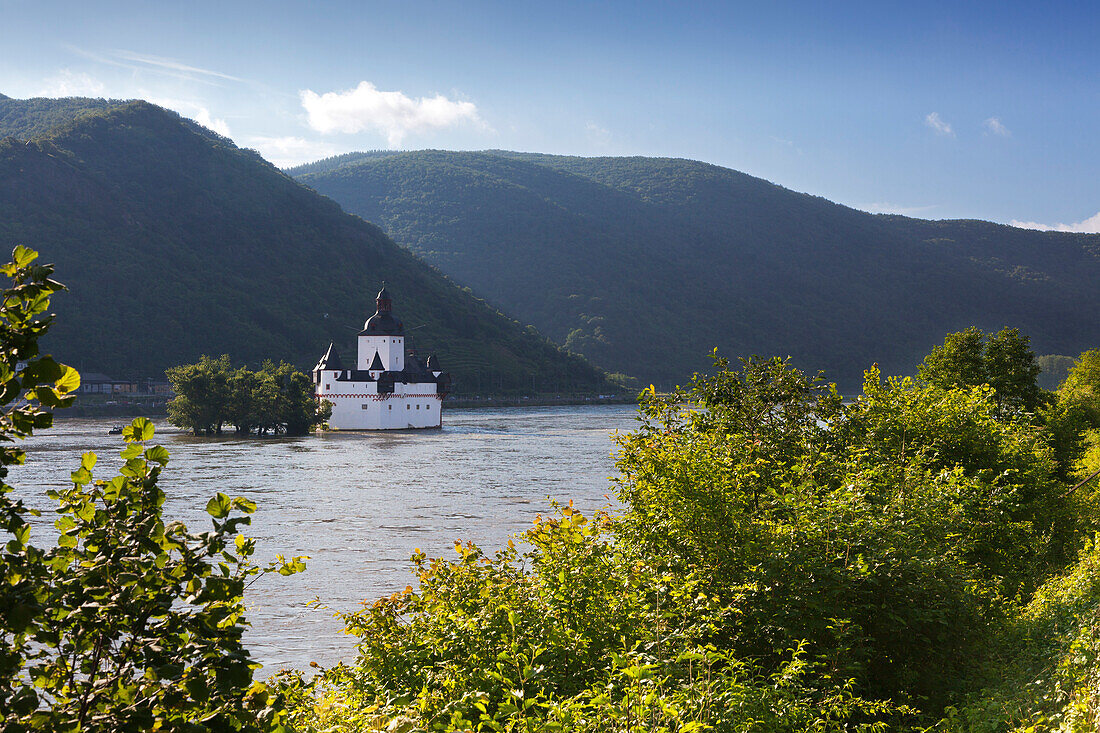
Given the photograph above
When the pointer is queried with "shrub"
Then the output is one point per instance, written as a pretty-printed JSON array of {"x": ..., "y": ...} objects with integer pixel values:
[{"x": 127, "y": 623}]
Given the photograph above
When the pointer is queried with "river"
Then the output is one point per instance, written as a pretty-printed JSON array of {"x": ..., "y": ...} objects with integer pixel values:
[{"x": 358, "y": 503}]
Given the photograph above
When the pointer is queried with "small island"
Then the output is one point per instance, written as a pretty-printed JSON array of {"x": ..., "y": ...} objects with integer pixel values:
[{"x": 386, "y": 389}]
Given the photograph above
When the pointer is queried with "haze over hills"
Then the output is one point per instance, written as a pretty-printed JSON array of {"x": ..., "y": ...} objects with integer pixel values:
[
  {"x": 176, "y": 243},
  {"x": 646, "y": 264}
]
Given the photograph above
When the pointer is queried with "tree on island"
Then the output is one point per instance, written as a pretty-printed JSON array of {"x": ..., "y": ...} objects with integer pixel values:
[{"x": 210, "y": 394}]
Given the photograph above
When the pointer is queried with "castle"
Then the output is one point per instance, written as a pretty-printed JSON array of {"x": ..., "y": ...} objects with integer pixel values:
[{"x": 384, "y": 389}]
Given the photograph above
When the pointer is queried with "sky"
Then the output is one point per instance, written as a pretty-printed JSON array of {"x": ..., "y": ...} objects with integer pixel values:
[{"x": 984, "y": 110}]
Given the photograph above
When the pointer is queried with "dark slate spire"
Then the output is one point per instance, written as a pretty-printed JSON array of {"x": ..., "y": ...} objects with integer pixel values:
[
  {"x": 330, "y": 361},
  {"x": 376, "y": 365},
  {"x": 382, "y": 301},
  {"x": 433, "y": 364},
  {"x": 382, "y": 323}
]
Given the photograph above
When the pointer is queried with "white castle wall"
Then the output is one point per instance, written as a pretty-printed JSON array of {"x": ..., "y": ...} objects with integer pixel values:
[
  {"x": 358, "y": 406},
  {"x": 391, "y": 349}
]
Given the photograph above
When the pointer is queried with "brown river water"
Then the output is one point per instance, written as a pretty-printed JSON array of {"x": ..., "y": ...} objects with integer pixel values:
[{"x": 357, "y": 503}]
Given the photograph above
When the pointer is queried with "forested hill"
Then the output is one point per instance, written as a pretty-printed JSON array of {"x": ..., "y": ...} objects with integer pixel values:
[
  {"x": 646, "y": 264},
  {"x": 175, "y": 243},
  {"x": 29, "y": 118}
]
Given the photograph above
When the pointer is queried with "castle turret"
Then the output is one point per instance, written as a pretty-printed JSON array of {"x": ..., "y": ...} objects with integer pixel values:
[
  {"x": 383, "y": 335},
  {"x": 330, "y": 362}
]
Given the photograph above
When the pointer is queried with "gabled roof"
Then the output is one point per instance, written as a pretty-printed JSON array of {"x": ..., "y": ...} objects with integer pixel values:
[
  {"x": 376, "y": 364},
  {"x": 331, "y": 360}
]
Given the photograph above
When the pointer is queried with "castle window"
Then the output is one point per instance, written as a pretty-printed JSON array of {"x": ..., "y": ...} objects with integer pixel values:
[
  {"x": 408, "y": 407},
  {"x": 364, "y": 405},
  {"x": 328, "y": 386},
  {"x": 418, "y": 407}
]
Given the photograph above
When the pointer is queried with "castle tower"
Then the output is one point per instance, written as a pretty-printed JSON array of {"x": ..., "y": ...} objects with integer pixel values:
[{"x": 383, "y": 335}]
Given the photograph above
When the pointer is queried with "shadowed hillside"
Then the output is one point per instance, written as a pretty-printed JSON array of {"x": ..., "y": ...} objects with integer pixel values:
[
  {"x": 175, "y": 243},
  {"x": 644, "y": 264}
]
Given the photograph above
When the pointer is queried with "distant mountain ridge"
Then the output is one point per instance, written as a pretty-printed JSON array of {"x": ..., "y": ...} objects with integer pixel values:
[
  {"x": 646, "y": 264},
  {"x": 176, "y": 243}
]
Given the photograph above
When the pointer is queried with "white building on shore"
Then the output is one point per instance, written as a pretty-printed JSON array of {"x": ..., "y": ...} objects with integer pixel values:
[{"x": 384, "y": 389}]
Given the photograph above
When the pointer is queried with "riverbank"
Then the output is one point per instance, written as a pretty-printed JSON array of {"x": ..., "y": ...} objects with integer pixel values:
[
  {"x": 121, "y": 407},
  {"x": 156, "y": 405},
  {"x": 470, "y": 402}
]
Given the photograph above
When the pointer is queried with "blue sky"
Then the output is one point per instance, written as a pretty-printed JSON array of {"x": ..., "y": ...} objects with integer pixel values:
[{"x": 938, "y": 110}]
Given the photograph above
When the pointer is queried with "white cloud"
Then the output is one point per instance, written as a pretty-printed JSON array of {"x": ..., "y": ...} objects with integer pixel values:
[
  {"x": 393, "y": 114},
  {"x": 599, "y": 137},
  {"x": 887, "y": 208},
  {"x": 789, "y": 144},
  {"x": 195, "y": 111},
  {"x": 286, "y": 152},
  {"x": 941, "y": 127},
  {"x": 596, "y": 130},
  {"x": 994, "y": 126},
  {"x": 1088, "y": 226},
  {"x": 67, "y": 83}
]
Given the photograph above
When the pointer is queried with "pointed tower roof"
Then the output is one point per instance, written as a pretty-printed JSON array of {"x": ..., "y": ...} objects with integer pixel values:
[
  {"x": 433, "y": 364},
  {"x": 376, "y": 364},
  {"x": 382, "y": 323},
  {"x": 330, "y": 361}
]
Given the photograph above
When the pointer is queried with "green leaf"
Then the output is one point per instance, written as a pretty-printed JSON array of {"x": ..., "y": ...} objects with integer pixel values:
[
  {"x": 69, "y": 380},
  {"x": 143, "y": 429},
  {"x": 22, "y": 256},
  {"x": 218, "y": 507},
  {"x": 245, "y": 505},
  {"x": 157, "y": 454},
  {"x": 88, "y": 460}
]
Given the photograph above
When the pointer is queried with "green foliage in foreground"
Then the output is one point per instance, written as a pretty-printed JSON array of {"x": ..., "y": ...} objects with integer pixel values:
[
  {"x": 211, "y": 393},
  {"x": 127, "y": 623},
  {"x": 785, "y": 563},
  {"x": 132, "y": 623},
  {"x": 1082, "y": 385},
  {"x": 1044, "y": 667},
  {"x": 575, "y": 634}
]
